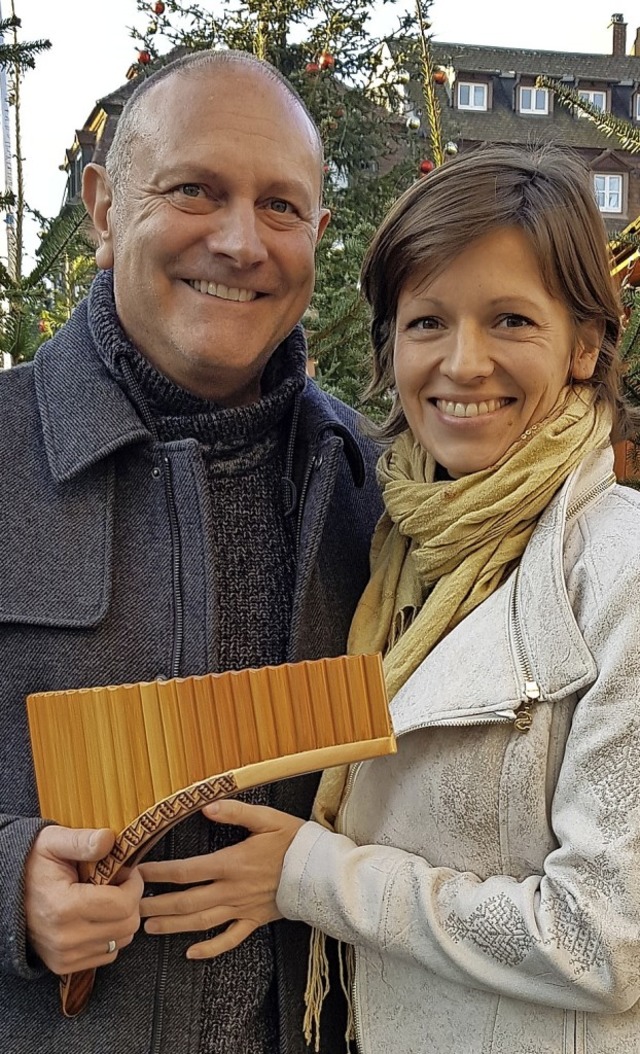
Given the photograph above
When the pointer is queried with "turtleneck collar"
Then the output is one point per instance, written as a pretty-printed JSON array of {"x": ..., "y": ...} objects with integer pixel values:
[{"x": 171, "y": 412}]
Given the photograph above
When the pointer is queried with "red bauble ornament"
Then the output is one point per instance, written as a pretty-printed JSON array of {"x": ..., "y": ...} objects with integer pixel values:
[
  {"x": 144, "y": 58},
  {"x": 159, "y": 8},
  {"x": 426, "y": 166},
  {"x": 326, "y": 169},
  {"x": 439, "y": 76},
  {"x": 312, "y": 67},
  {"x": 326, "y": 60},
  {"x": 42, "y": 326}
]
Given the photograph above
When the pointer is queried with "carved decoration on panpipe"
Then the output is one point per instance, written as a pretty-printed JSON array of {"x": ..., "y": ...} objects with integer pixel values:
[
  {"x": 139, "y": 758},
  {"x": 158, "y": 820}
]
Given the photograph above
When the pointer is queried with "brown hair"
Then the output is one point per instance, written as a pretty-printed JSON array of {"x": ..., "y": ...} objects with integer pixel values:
[{"x": 542, "y": 190}]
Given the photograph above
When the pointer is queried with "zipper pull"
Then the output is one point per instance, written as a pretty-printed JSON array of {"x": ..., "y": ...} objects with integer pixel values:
[{"x": 524, "y": 718}]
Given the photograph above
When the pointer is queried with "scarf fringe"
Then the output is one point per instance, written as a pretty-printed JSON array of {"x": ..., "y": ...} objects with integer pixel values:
[{"x": 318, "y": 986}]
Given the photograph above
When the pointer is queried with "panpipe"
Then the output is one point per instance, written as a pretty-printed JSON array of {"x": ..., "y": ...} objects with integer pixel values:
[{"x": 138, "y": 758}]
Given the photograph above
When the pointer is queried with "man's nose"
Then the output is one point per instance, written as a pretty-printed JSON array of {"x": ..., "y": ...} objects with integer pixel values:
[
  {"x": 236, "y": 233},
  {"x": 468, "y": 354}
]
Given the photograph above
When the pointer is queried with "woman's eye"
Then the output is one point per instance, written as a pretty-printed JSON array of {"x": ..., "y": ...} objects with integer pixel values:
[
  {"x": 428, "y": 322},
  {"x": 515, "y": 321}
]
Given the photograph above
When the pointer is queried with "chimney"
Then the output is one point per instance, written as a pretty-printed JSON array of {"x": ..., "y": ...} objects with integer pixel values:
[
  {"x": 619, "y": 35},
  {"x": 636, "y": 46}
]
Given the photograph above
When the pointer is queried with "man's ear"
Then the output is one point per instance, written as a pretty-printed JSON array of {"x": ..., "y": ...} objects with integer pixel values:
[
  {"x": 325, "y": 216},
  {"x": 97, "y": 194},
  {"x": 585, "y": 356}
]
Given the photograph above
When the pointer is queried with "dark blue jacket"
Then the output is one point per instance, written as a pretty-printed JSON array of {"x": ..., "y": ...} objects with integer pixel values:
[{"x": 87, "y": 597}]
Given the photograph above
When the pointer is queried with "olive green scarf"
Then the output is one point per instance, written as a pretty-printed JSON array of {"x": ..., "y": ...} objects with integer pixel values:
[{"x": 441, "y": 548}]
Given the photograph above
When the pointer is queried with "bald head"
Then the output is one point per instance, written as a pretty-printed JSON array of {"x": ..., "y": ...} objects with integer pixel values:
[{"x": 206, "y": 64}]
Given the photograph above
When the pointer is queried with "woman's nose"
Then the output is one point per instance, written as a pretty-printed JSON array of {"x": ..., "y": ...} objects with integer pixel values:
[{"x": 468, "y": 355}]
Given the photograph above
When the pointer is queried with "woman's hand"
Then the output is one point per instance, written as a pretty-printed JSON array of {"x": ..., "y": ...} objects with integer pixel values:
[{"x": 238, "y": 884}]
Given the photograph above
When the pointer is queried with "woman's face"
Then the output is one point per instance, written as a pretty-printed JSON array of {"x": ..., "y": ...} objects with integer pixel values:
[{"x": 483, "y": 351}]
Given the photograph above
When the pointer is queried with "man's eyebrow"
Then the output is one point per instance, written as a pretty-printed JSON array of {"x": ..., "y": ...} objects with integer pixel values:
[{"x": 187, "y": 173}]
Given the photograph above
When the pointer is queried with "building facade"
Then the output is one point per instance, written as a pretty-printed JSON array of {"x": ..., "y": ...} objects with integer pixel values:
[{"x": 491, "y": 95}]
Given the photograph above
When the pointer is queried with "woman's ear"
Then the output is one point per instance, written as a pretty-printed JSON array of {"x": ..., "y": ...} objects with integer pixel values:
[
  {"x": 585, "y": 355},
  {"x": 97, "y": 195}
]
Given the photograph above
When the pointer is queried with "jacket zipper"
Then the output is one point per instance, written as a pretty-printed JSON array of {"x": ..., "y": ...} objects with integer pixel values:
[
  {"x": 530, "y": 687},
  {"x": 176, "y": 657},
  {"x": 176, "y": 569},
  {"x": 302, "y": 499}
]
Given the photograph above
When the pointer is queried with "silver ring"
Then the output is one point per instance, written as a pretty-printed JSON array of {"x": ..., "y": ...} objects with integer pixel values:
[{"x": 111, "y": 947}]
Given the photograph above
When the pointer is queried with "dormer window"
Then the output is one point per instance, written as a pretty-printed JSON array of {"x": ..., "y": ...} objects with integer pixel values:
[
  {"x": 596, "y": 98},
  {"x": 608, "y": 189},
  {"x": 637, "y": 107},
  {"x": 534, "y": 100},
  {"x": 472, "y": 96}
]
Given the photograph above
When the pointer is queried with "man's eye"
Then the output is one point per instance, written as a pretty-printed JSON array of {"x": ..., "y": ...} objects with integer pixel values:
[
  {"x": 278, "y": 205},
  {"x": 190, "y": 190}
]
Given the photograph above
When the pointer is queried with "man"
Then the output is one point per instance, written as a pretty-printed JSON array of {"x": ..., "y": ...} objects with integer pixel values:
[{"x": 176, "y": 498}]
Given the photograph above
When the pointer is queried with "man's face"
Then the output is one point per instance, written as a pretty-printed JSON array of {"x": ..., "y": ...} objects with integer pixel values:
[{"x": 211, "y": 234}]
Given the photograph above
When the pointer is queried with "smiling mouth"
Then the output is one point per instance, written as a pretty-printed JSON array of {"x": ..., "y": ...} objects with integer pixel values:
[
  {"x": 470, "y": 409},
  {"x": 224, "y": 292}
]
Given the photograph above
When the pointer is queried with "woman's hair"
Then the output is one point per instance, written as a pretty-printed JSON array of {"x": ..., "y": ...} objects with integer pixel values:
[{"x": 543, "y": 191}]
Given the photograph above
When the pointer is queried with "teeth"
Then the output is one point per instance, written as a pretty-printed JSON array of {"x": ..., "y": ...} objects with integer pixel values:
[
  {"x": 470, "y": 409},
  {"x": 224, "y": 292}
]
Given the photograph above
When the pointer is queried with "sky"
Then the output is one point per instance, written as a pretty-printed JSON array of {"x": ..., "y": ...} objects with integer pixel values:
[{"x": 92, "y": 48}]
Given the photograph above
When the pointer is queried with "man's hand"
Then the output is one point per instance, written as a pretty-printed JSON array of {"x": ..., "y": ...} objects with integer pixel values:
[
  {"x": 240, "y": 882},
  {"x": 70, "y": 924}
]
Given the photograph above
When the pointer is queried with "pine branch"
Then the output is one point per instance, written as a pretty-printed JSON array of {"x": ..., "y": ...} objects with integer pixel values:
[
  {"x": 432, "y": 106},
  {"x": 622, "y": 238},
  {"x": 354, "y": 312},
  {"x": 626, "y": 133},
  {"x": 59, "y": 237},
  {"x": 19, "y": 54}
]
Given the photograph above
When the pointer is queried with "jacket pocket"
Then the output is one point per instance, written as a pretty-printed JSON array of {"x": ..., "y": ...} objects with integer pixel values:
[{"x": 55, "y": 552}]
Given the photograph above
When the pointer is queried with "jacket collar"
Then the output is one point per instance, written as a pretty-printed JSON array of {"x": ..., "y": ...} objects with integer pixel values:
[
  {"x": 86, "y": 416},
  {"x": 321, "y": 413}
]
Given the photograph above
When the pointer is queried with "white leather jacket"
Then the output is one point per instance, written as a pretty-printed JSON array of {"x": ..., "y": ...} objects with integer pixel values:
[{"x": 490, "y": 877}]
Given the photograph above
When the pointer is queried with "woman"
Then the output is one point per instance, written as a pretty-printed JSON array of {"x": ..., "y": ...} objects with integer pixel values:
[{"x": 486, "y": 875}]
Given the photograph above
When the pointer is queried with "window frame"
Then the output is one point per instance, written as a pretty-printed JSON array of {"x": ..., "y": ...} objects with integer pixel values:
[
  {"x": 534, "y": 112},
  {"x": 473, "y": 85},
  {"x": 590, "y": 92},
  {"x": 607, "y": 176}
]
